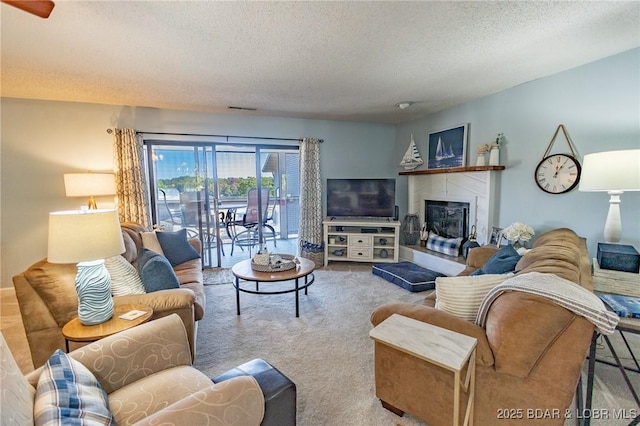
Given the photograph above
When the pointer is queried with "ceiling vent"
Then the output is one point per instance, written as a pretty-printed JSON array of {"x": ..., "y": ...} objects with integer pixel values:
[{"x": 242, "y": 108}]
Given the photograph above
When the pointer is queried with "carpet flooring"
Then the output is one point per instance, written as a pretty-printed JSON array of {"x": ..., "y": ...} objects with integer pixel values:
[
  {"x": 215, "y": 276},
  {"x": 327, "y": 351}
]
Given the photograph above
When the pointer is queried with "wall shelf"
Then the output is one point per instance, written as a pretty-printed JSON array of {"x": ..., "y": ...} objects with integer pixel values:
[{"x": 452, "y": 170}]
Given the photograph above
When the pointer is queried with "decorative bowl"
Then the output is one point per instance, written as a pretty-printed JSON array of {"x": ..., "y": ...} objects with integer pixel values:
[{"x": 283, "y": 262}]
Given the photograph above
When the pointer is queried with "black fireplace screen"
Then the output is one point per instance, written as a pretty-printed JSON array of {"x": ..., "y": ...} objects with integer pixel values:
[{"x": 447, "y": 218}]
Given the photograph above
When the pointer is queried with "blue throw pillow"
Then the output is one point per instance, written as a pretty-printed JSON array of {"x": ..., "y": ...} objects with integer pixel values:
[
  {"x": 176, "y": 248},
  {"x": 68, "y": 393},
  {"x": 156, "y": 271},
  {"x": 503, "y": 261}
]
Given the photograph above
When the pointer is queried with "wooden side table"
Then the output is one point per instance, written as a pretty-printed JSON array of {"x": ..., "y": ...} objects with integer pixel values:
[
  {"x": 75, "y": 331},
  {"x": 444, "y": 348}
]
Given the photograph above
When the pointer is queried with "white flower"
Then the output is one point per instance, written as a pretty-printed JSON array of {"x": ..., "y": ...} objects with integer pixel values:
[{"x": 518, "y": 231}]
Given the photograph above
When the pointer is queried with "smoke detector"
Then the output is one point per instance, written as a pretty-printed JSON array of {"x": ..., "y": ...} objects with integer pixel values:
[{"x": 404, "y": 105}]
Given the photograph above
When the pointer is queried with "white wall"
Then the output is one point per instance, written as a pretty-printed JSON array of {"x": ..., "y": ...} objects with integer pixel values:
[
  {"x": 41, "y": 140},
  {"x": 599, "y": 104}
]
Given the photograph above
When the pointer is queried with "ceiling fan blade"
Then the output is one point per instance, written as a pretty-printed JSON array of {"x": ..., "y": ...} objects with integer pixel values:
[{"x": 41, "y": 8}]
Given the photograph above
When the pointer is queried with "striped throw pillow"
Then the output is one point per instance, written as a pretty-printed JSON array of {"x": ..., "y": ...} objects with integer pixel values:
[
  {"x": 125, "y": 278},
  {"x": 462, "y": 296}
]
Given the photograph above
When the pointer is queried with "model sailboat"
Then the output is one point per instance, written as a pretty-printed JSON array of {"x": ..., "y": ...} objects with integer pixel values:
[{"x": 411, "y": 158}]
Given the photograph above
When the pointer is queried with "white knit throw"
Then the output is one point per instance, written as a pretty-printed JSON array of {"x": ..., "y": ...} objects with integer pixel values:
[{"x": 563, "y": 292}]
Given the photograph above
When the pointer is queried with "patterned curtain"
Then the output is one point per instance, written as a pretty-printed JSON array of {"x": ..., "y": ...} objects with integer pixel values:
[
  {"x": 310, "y": 227},
  {"x": 131, "y": 182}
]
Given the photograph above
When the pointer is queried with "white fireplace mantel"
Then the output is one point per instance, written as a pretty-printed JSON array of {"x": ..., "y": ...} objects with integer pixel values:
[{"x": 476, "y": 185}]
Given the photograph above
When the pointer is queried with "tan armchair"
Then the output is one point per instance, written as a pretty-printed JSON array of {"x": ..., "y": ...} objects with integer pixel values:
[
  {"x": 529, "y": 355},
  {"x": 147, "y": 374}
]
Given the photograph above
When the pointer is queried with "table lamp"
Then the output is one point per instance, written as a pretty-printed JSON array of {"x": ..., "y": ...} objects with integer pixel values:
[
  {"x": 614, "y": 172},
  {"x": 87, "y": 237},
  {"x": 89, "y": 185}
]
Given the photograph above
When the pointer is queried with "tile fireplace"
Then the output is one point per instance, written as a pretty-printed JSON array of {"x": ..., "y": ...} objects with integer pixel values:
[{"x": 476, "y": 188}]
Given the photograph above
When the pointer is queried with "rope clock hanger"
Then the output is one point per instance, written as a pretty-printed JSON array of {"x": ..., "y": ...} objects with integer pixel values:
[{"x": 558, "y": 173}]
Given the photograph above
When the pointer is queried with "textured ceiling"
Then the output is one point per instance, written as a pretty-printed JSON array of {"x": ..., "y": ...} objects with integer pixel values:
[{"x": 329, "y": 60}]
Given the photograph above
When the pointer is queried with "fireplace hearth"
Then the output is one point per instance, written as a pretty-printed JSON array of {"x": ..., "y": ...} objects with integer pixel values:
[{"x": 449, "y": 219}]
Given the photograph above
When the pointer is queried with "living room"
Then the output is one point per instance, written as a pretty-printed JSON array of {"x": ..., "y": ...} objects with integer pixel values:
[
  {"x": 598, "y": 101},
  {"x": 71, "y": 137}
]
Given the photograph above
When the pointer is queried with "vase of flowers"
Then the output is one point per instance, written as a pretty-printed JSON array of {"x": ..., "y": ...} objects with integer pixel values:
[{"x": 518, "y": 234}]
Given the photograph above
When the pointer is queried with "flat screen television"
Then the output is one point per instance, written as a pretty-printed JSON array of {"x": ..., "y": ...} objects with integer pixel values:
[{"x": 366, "y": 198}]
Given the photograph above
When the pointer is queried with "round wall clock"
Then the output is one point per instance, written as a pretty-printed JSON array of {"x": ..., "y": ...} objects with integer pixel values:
[{"x": 558, "y": 173}]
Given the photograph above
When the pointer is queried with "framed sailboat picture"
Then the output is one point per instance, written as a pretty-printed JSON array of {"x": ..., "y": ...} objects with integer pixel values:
[{"x": 448, "y": 148}]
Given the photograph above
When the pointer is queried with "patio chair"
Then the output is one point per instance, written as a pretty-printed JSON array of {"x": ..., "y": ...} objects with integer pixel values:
[
  {"x": 169, "y": 211},
  {"x": 249, "y": 236},
  {"x": 195, "y": 212}
]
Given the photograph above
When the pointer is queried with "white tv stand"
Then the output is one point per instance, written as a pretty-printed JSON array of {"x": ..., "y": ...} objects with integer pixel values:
[{"x": 361, "y": 240}]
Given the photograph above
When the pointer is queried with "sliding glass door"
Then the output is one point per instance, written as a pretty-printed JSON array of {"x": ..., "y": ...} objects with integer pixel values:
[
  {"x": 281, "y": 171},
  {"x": 183, "y": 194},
  {"x": 207, "y": 189}
]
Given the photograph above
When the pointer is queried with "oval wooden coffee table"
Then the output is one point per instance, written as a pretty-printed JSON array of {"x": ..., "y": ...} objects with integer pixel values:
[
  {"x": 75, "y": 331},
  {"x": 243, "y": 271}
]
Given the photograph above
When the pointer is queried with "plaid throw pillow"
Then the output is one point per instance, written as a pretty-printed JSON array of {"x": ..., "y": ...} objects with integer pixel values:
[
  {"x": 68, "y": 393},
  {"x": 448, "y": 246}
]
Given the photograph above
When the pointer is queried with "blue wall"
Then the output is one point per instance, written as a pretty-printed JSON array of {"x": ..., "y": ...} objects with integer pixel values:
[
  {"x": 42, "y": 140},
  {"x": 599, "y": 104}
]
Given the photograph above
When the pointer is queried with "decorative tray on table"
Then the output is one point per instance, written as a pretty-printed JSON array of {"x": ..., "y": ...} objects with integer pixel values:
[{"x": 273, "y": 262}]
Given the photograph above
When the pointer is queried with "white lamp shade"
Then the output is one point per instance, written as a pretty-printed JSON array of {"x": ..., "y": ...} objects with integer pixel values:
[
  {"x": 611, "y": 171},
  {"x": 84, "y": 235},
  {"x": 89, "y": 184}
]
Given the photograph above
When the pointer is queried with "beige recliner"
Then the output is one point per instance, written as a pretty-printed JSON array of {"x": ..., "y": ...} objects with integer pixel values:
[{"x": 147, "y": 374}]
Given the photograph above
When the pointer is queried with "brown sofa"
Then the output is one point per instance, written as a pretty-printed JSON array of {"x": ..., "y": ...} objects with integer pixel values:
[
  {"x": 165, "y": 390},
  {"x": 529, "y": 356},
  {"x": 48, "y": 299}
]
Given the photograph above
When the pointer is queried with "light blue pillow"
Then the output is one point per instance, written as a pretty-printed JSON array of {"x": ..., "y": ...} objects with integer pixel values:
[
  {"x": 503, "y": 261},
  {"x": 155, "y": 271},
  {"x": 68, "y": 393},
  {"x": 176, "y": 248}
]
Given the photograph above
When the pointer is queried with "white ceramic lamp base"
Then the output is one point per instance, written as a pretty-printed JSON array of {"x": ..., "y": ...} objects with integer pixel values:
[
  {"x": 93, "y": 284},
  {"x": 613, "y": 225}
]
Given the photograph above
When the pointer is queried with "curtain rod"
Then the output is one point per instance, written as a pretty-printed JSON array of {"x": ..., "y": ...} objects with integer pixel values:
[{"x": 217, "y": 136}]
